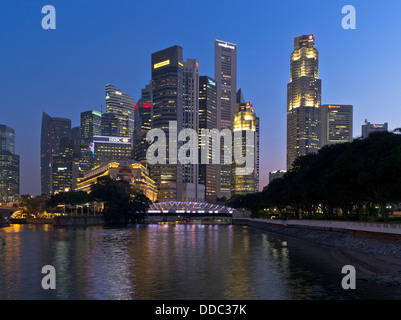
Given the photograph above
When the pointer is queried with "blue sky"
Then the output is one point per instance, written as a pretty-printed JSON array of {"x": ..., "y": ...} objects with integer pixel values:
[{"x": 63, "y": 72}]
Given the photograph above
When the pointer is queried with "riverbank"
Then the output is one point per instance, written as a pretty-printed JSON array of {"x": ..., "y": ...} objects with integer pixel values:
[{"x": 375, "y": 256}]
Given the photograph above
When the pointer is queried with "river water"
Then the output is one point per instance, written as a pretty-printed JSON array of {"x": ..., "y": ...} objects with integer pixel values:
[{"x": 208, "y": 262}]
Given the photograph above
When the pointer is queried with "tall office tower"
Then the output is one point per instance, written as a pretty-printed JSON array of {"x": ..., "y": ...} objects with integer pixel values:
[
  {"x": 207, "y": 120},
  {"x": 191, "y": 94},
  {"x": 225, "y": 74},
  {"x": 143, "y": 123},
  {"x": 84, "y": 152},
  {"x": 9, "y": 165},
  {"x": 91, "y": 125},
  {"x": 336, "y": 124},
  {"x": 245, "y": 120},
  {"x": 7, "y": 139},
  {"x": 122, "y": 106},
  {"x": 84, "y": 158},
  {"x": 167, "y": 91},
  {"x": 114, "y": 126},
  {"x": 53, "y": 129},
  {"x": 303, "y": 100},
  {"x": 192, "y": 190},
  {"x": 62, "y": 165},
  {"x": 369, "y": 128}
]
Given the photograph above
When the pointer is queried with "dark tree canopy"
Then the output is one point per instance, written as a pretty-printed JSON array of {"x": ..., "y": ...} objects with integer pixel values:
[
  {"x": 355, "y": 176},
  {"x": 122, "y": 203}
]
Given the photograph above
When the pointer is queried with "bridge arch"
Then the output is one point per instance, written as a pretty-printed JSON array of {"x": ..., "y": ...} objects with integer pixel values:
[{"x": 182, "y": 207}]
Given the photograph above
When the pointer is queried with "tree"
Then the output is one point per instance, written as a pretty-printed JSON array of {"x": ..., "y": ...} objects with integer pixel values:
[
  {"x": 122, "y": 203},
  {"x": 346, "y": 176},
  {"x": 251, "y": 201},
  {"x": 33, "y": 205},
  {"x": 69, "y": 197}
]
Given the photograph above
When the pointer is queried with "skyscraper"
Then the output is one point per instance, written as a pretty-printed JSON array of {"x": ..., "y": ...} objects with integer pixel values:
[
  {"x": 192, "y": 190},
  {"x": 7, "y": 139},
  {"x": 9, "y": 165},
  {"x": 61, "y": 178},
  {"x": 303, "y": 100},
  {"x": 208, "y": 120},
  {"x": 225, "y": 74},
  {"x": 91, "y": 125},
  {"x": 53, "y": 129},
  {"x": 336, "y": 124},
  {"x": 143, "y": 123},
  {"x": 121, "y": 105},
  {"x": 114, "y": 125},
  {"x": 245, "y": 123},
  {"x": 167, "y": 91}
]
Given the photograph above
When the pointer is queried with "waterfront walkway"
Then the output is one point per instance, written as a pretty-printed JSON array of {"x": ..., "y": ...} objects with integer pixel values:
[{"x": 330, "y": 225}]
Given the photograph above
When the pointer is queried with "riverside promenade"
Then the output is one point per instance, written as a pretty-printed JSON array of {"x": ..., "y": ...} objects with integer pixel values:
[
  {"x": 329, "y": 225},
  {"x": 377, "y": 238}
]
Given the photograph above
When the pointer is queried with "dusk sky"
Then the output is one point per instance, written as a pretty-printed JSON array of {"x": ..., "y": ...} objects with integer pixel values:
[{"x": 63, "y": 72}]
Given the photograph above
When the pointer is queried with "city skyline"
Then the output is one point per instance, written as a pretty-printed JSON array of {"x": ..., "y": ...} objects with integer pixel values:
[{"x": 346, "y": 74}]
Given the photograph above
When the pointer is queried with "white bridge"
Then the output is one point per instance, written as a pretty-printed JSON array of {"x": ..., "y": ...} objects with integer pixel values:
[{"x": 181, "y": 207}]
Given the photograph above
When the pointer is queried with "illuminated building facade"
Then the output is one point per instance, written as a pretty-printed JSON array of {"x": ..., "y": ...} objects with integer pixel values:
[
  {"x": 131, "y": 171},
  {"x": 111, "y": 148},
  {"x": 225, "y": 74},
  {"x": 369, "y": 128},
  {"x": 303, "y": 100},
  {"x": 208, "y": 120},
  {"x": 167, "y": 92},
  {"x": 336, "y": 124},
  {"x": 113, "y": 125},
  {"x": 121, "y": 105},
  {"x": 85, "y": 158},
  {"x": 7, "y": 139},
  {"x": 143, "y": 123},
  {"x": 91, "y": 125},
  {"x": 52, "y": 130},
  {"x": 9, "y": 166},
  {"x": 192, "y": 190},
  {"x": 245, "y": 120},
  {"x": 62, "y": 167}
]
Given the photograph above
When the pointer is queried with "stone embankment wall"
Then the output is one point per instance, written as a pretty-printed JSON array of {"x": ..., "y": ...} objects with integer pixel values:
[
  {"x": 372, "y": 238},
  {"x": 78, "y": 220}
]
